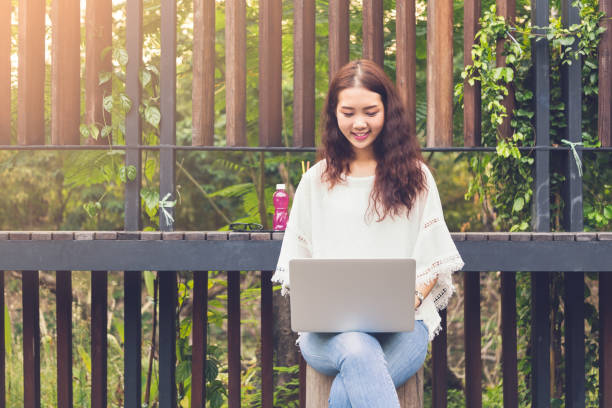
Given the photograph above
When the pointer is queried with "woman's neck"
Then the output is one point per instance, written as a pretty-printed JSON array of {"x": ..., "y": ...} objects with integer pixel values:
[{"x": 363, "y": 167}]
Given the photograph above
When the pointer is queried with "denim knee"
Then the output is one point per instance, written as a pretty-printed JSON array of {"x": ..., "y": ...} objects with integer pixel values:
[{"x": 357, "y": 346}]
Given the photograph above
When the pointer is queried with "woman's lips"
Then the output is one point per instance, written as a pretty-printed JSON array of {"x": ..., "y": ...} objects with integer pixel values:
[{"x": 361, "y": 136}]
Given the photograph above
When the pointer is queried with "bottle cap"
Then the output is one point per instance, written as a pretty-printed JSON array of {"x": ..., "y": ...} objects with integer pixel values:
[{"x": 280, "y": 186}]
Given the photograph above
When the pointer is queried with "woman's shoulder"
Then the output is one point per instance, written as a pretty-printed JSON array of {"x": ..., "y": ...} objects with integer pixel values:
[{"x": 315, "y": 172}]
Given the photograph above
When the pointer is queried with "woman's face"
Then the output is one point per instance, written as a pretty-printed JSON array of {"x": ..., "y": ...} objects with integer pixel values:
[{"x": 361, "y": 117}]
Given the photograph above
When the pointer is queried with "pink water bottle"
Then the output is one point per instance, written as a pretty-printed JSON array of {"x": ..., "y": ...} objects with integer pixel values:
[{"x": 281, "y": 205}]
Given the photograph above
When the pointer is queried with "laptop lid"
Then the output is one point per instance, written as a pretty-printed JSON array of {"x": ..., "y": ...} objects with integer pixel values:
[{"x": 338, "y": 295}]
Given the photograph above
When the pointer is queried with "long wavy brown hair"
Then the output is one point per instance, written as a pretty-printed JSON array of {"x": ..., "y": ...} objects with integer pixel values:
[{"x": 399, "y": 177}]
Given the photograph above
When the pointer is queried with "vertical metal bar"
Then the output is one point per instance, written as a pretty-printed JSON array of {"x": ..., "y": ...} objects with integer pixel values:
[
  {"x": 235, "y": 72},
  {"x": 132, "y": 286},
  {"x": 540, "y": 339},
  {"x": 304, "y": 73},
  {"x": 31, "y": 81},
  {"x": 572, "y": 219},
  {"x": 506, "y": 9},
  {"x": 373, "y": 44},
  {"x": 540, "y": 291},
  {"x": 604, "y": 116},
  {"x": 66, "y": 72},
  {"x": 574, "y": 340},
  {"x": 267, "y": 341},
  {"x": 439, "y": 73},
  {"x": 473, "y": 359},
  {"x": 471, "y": 93},
  {"x": 98, "y": 33},
  {"x": 439, "y": 367},
  {"x": 338, "y": 35},
  {"x": 605, "y": 340},
  {"x": 63, "y": 296},
  {"x": 167, "y": 280},
  {"x": 99, "y": 321},
  {"x": 508, "y": 334},
  {"x": 2, "y": 345},
  {"x": 168, "y": 109},
  {"x": 270, "y": 73},
  {"x": 541, "y": 60},
  {"x": 5, "y": 73},
  {"x": 133, "y": 128},
  {"x": 572, "y": 97},
  {"x": 199, "y": 338},
  {"x": 167, "y": 339},
  {"x": 233, "y": 337},
  {"x": 405, "y": 76},
  {"x": 31, "y": 340},
  {"x": 203, "y": 91}
]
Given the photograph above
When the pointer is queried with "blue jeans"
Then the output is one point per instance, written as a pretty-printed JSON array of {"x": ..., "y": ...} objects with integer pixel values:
[{"x": 368, "y": 367}]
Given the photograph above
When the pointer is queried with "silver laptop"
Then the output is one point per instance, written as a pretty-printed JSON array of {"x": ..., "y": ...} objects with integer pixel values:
[{"x": 338, "y": 295}]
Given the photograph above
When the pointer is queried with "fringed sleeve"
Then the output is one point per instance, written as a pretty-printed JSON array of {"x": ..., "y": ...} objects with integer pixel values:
[
  {"x": 297, "y": 241},
  {"x": 435, "y": 252}
]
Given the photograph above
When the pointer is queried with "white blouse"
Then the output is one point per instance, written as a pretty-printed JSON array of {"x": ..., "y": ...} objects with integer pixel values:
[{"x": 332, "y": 223}]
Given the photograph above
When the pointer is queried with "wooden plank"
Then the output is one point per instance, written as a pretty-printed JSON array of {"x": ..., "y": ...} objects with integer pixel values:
[
  {"x": 233, "y": 338},
  {"x": 338, "y": 35},
  {"x": 506, "y": 9},
  {"x": 438, "y": 366},
  {"x": 303, "y": 384},
  {"x": 405, "y": 76},
  {"x": 132, "y": 322},
  {"x": 439, "y": 73},
  {"x": 167, "y": 339},
  {"x": 373, "y": 44},
  {"x": 605, "y": 340},
  {"x": 31, "y": 339},
  {"x": 473, "y": 359},
  {"x": 508, "y": 334},
  {"x": 66, "y": 72},
  {"x": 5, "y": 73},
  {"x": 574, "y": 340},
  {"x": 304, "y": 73},
  {"x": 2, "y": 345},
  {"x": 31, "y": 79},
  {"x": 199, "y": 339},
  {"x": 99, "y": 321},
  {"x": 270, "y": 73},
  {"x": 63, "y": 296},
  {"x": 267, "y": 341},
  {"x": 540, "y": 339},
  {"x": 604, "y": 124},
  {"x": 203, "y": 82},
  {"x": 235, "y": 72},
  {"x": 471, "y": 93},
  {"x": 98, "y": 34},
  {"x": 133, "y": 126}
]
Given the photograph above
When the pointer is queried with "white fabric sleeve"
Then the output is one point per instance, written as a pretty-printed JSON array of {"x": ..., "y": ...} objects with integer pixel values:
[
  {"x": 297, "y": 239},
  {"x": 435, "y": 252}
]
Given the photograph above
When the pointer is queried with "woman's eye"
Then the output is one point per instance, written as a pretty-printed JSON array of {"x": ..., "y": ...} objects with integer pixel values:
[
  {"x": 348, "y": 115},
  {"x": 371, "y": 114}
]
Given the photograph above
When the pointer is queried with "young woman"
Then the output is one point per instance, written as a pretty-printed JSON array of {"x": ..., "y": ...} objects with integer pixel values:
[{"x": 370, "y": 196}]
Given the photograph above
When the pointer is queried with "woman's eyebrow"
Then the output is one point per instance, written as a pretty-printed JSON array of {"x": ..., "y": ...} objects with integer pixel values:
[{"x": 366, "y": 108}]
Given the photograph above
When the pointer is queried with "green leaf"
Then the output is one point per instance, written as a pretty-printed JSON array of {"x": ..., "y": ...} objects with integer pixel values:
[
  {"x": 103, "y": 77},
  {"x": 152, "y": 115},
  {"x": 85, "y": 357},
  {"x": 126, "y": 103},
  {"x": 127, "y": 173},
  {"x": 150, "y": 167},
  {"x": 608, "y": 211},
  {"x": 107, "y": 103},
  {"x": 145, "y": 77},
  {"x": 518, "y": 205},
  {"x": 121, "y": 56}
]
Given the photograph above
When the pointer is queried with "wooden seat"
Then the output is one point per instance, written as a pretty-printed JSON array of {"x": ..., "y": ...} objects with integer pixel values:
[{"x": 319, "y": 385}]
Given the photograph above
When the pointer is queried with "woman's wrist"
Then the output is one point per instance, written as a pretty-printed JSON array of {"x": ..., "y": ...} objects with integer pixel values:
[{"x": 418, "y": 298}]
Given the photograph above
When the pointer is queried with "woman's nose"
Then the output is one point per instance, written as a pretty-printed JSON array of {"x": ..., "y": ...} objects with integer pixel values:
[{"x": 359, "y": 123}]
